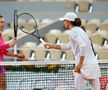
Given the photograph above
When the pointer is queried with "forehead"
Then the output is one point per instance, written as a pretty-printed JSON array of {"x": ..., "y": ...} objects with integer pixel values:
[{"x": 66, "y": 20}]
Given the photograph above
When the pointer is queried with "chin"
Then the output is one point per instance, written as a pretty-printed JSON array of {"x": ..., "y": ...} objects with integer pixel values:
[{"x": 65, "y": 27}]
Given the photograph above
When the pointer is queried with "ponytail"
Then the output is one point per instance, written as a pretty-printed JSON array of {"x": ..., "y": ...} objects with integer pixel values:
[{"x": 77, "y": 22}]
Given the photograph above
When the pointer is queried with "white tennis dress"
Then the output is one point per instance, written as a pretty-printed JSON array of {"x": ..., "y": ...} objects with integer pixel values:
[{"x": 81, "y": 46}]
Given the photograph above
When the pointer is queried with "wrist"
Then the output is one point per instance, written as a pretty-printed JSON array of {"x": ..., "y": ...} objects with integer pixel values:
[
  {"x": 81, "y": 59},
  {"x": 49, "y": 46},
  {"x": 81, "y": 63},
  {"x": 15, "y": 55}
]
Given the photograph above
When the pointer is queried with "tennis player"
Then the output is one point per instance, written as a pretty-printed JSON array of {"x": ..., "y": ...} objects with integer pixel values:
[
  {"x": 4, "y": 51},
  {"x": 86, "y": 65}
]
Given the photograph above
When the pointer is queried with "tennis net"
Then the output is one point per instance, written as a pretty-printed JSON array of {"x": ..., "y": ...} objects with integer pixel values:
[{"x": 45, "y": 75}]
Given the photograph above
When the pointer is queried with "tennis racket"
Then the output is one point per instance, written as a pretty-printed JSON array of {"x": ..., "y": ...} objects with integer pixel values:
[
  {"x": 32, "y": 27},
  {"x": 15, "y": 23}
]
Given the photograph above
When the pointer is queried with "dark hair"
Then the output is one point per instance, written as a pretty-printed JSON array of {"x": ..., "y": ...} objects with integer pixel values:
[
  {"x": 1, "y": 16},
  {"x": 77, "y": 22}
]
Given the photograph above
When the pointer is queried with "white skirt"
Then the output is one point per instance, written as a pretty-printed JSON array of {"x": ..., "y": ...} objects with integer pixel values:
[{"x": 90, "y": 71}]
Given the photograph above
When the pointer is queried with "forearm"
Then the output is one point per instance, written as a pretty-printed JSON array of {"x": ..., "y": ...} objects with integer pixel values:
[
  {"x": 9, "y": 53},
  {"x": 79, "y": 65},
  {"x": 55, "y": 46},
  {"x": 81, "y": 60},
  {"x": 21, "y": 56}
]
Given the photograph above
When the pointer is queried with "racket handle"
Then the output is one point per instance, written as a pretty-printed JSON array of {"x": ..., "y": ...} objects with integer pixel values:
[
  {"x": 42, "y": 41},
  {"x": 15, "y": 49}
]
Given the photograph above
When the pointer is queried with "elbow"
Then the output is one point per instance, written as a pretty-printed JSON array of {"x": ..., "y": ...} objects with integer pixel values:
[
  {"x": 83, "y": 50},
  {"x": 65, "y": 47},
  {"x": 84, "y": 47}
]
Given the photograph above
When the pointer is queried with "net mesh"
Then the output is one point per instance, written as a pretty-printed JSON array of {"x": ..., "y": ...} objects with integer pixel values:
[{"x": 45, "y": 75}]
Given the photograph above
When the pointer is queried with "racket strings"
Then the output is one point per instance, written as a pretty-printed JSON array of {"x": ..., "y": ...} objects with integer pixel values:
[
  {"x": 15, "y": 23},
  {"x": 31, "y": 27}
]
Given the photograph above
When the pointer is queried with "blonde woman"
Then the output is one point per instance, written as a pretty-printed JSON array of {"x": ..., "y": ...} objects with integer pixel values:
[{"x": 4, "y": 51}]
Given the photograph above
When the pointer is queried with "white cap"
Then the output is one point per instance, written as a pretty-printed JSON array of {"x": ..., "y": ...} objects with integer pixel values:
[{"x": 70, "y": 16}]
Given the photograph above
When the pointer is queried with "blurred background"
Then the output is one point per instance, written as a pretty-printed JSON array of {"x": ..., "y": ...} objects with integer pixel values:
[{"x": 94, "y": 16}]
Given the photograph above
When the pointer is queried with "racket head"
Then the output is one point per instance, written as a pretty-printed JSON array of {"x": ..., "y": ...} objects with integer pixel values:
[
  {"x": 28, "y": 23},
  {"x": 15, "y": 23}
]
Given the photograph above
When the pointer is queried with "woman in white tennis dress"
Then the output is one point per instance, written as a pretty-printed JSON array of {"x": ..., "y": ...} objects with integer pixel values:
[{"x": 86, "y": 65}]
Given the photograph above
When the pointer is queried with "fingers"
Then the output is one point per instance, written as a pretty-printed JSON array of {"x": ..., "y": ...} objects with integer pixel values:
[
  {"x": 47, "y": 46},
  {"x": 20, "y": 56},
  {"x": 77, "y": 69},
  {"x": 25, "y": 58}
]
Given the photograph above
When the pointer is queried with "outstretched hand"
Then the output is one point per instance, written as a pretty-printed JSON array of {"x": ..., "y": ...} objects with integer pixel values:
[
  {"x": 47, "y": 46},
  {"x": 52, "y": 46},
  {"x": 22, "y": 57}
]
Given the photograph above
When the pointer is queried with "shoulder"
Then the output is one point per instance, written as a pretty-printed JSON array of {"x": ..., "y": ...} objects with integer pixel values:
[
  {"x": 74, "y": 32},
  {"x": 77, "y": 31}
]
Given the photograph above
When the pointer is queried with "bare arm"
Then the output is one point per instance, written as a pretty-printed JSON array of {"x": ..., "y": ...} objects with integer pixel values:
[
  {"x": 52, "y": 46},
  {"x": 83, "y": 48},
  {"x": 79, "y": 66},
  {"x": 11, "y": 54}
]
